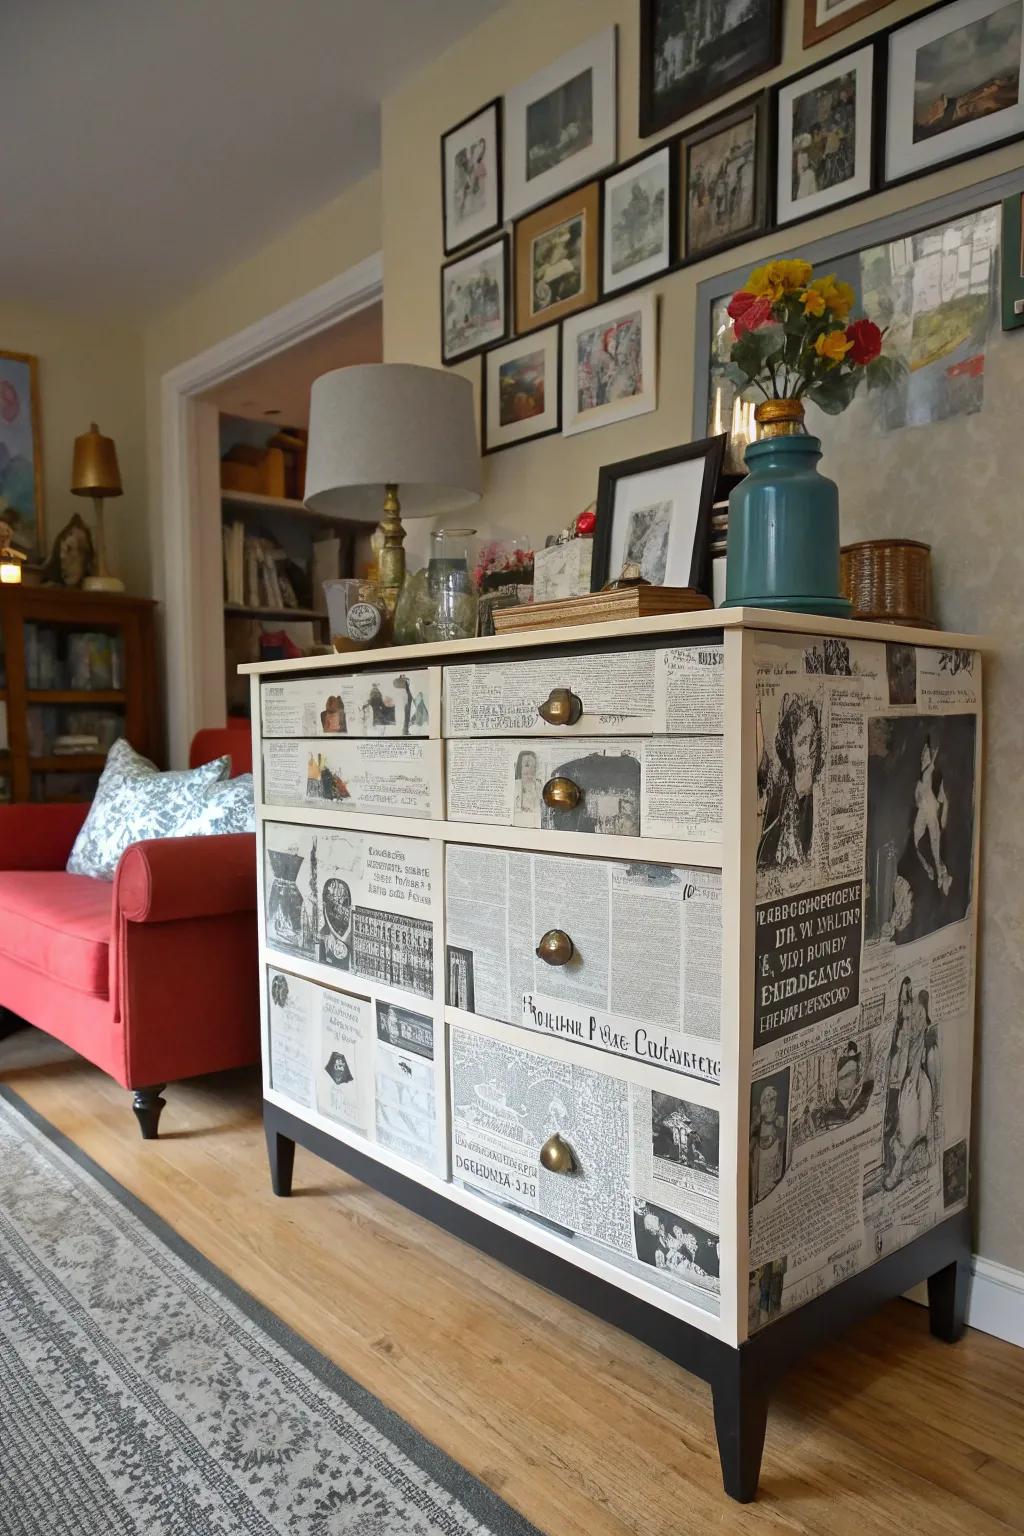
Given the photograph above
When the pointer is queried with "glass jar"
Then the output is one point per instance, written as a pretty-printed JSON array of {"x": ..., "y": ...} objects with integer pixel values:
[{"x": 450, "y": 608}]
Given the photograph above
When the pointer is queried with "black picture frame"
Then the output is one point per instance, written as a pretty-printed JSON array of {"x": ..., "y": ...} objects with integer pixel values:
[
  {"x": 672, "y": 259},
  {"x": 758, "y": 105},
  {"x": 876, "y": 127},
  {"x": 712, "y": 450},
  {"x": 529, "y": 339},
  {"x": 495, "y": 105},
  {"x": 656, "y": 115},
  {"x": 506, "y": 267}
]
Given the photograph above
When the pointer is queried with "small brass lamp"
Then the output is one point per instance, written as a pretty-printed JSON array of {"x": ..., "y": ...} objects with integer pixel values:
[
  {"x": 10, "y": 566},
  {"x": 95, "y": 473}
]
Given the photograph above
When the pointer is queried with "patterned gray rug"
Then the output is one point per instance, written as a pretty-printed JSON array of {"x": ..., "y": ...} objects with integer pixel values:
[{"x": 143, "y": 1394}]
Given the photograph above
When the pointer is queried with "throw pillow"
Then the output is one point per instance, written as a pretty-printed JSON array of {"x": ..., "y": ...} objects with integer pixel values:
[
  {"x": 227, "y": 807},
  {"x": 134, "y": 801}
]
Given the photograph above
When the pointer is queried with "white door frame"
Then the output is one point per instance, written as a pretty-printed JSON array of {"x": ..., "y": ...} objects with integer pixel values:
[{"x": 185, "y": 548}]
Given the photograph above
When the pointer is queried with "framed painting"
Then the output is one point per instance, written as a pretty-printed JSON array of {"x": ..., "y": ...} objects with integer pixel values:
[
  {"x": 475, "y": 301},
  {"x": 520, "y": 397},
  {"x": 823, "y": 18},
  {"x": 692, "y": 51},
  {"x": 724, "y": 175},
  {"x": 654, "y": 511},
  {"x": 560, "y": 125},
  {"x": 825, "y": 136},
  {"x": 1013, "y": 262},
  {"x": 637, "y": 221},
  {"x": 610, "y": 363},
  {"x": 471, "y": 178},
  {"x": 21, "y": 461},
  {"x": 557, "y": 251}
]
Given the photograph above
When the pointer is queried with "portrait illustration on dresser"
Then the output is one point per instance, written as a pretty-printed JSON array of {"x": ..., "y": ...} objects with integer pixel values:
[
  {"x": 787, "y": 781},
  {"x": 769, "y": 1112}
]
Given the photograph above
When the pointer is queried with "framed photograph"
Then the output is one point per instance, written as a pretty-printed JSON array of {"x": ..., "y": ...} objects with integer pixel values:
[
  {"x": 475, "y": 301},
  {"x": 520, "y": 391},
  {"x": 822, "y": 18},
  {"x": 825, "y": 136},
  {"x": 953, "y": 85},
  {"x": 655, "y": 512},
  {"x": 557, "y": 259},
  {"x": 610, "y": 363},
  {"x": 471, "y": 178},
  {"x": 724, "y": 177},
  {"x": 638, "y": 220},
  {"x": 21, "y": 458},
  {"x": 560, "y": 125},
  {"x": 694, "y": 50},
  {"x": 1012, "y": 275}
]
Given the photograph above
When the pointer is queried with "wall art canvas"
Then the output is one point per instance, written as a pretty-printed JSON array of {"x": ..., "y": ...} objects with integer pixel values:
[
  {"x": 637, "y": 221},
  {"x": 471, "y": 178},
  {"x": 560, "y": 125},
  {"x": 825, "y": 136},
  {"x": 724, "y": 178},
  {"x": 557, "y": 267},
  {"x": 475, "y": 301},
  {"x": 694, "y": 50},
  {"x": 609, "y": 363},
  {"x": 520, "y": 394},
  {"x": 21, "y": 469},
  {"x": 822, "y": 18},
  {"x": 954, "y": 84}
]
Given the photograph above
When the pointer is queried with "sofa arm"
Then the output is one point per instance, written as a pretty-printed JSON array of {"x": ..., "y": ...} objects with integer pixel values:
[
  {"x": 39, "y": 836},
  {"x": 171, "y": 878}
]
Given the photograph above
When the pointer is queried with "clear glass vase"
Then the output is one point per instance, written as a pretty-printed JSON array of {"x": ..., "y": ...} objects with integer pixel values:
[{"x": 451, "y": 600}]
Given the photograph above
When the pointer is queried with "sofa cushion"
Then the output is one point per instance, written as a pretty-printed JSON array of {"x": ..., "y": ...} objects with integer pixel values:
[{"x": 57, "y": 925}]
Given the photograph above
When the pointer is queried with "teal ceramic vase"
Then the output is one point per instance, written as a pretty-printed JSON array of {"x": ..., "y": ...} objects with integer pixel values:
[{"x": 783, "y": 549}]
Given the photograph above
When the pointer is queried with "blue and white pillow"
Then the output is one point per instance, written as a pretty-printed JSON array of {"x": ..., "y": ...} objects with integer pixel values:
[
  {"x": 228, "y": 807},
  {"x": 134, "y": 801}
]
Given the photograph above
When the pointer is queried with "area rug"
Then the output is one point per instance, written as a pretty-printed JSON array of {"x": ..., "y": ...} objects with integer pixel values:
[{"x": 144, "y": 1394}]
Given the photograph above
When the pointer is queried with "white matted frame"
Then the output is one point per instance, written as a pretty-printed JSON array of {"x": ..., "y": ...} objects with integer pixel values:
[
  {"x": 790, "y": 204},
  {"x": 598, "y": 350},
  {"x": 524, "y": 190}
]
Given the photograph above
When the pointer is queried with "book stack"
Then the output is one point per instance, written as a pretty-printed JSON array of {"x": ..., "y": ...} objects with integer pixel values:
[{"x": 255, "y": 571}]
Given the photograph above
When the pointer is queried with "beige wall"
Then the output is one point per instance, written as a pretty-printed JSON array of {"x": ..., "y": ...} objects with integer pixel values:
[{"x": 958, "y": 484}]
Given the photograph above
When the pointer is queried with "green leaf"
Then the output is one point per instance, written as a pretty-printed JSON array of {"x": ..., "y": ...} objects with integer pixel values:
[
  {"x": 736, "y": 375},
  {"x": 885, "y": 371},
  {"x": 835, "y": 391}
]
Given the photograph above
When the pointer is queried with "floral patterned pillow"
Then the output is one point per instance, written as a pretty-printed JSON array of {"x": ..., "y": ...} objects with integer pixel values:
[
  {"x": 135, "y": 801},
  {"x": 227, "y": 807}
]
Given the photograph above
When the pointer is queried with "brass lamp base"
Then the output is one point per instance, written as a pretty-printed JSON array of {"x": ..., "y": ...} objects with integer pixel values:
[{"x": 391, "y": 560}]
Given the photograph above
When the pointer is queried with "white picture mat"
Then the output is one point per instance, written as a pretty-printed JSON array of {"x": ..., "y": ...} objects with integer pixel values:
[
  {"x": 902, "y": 155},
  {"x": 484, "y": 125},
  {"x": 862, "y": 64},
  {"x": 496, "y": 435},
  {"x": 825, "y": 12},
  {"x": 597, "y": 54},
  {"x": 681, "y": 484},
  {"x": 659, "y": 160},
  {"x": 615, "y": 410}
]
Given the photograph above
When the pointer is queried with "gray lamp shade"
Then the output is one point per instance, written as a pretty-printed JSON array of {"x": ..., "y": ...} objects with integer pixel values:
[{"x": 378, "y": 424}]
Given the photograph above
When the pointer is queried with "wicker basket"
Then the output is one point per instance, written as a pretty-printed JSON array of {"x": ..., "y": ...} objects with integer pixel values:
[{"x": 889, "y": 580}]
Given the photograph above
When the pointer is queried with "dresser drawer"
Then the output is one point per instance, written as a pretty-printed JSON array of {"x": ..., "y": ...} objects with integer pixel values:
[
  {"x": 675, "y": 689},
  {"x": 353, "y": 704},
  {"x": 388, "y": 778},
  {"x": 631, "y": 1168},
  {"x": 621, "y": 957},
  {"x": 632, "y": 786}
]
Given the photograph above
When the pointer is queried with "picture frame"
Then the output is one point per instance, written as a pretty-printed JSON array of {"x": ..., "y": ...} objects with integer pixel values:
[
  {"x": 22, "y": 524},
  {"x": 687, "y": 60},
  {"x": 561, "y": 126},
  {"x": 738, "y": 170},
  {"x": 471, "y": 176},
  {"x": 1012, "y": 255},
  {"x": 825, "y": 121},
  {"x": 528, "y": 367},
  {"x": 655, "y": 509},
  {"x": 824, "y": 18},
  {"x": 610, "y": 363},
  {"x": 557, "y": 259},
  {"x": 475, "y": 301},
  {"x": 638, "y": 233},
  {"x": 963, "y": 56}
]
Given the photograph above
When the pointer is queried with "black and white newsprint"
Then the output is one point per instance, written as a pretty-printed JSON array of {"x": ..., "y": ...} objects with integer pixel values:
[
  {"x": 861, "y": 1079},
  {"x": 386, "y": 778},
  {"x": 351, "y": 704}
]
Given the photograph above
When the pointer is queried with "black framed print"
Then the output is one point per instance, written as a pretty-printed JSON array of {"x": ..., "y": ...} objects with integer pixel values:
[
  {"x": 825, "y": 134},
  {"x": 520, "y": 392},
  {"x": 953, "y": 85},
  {"x": 654, "y": 512},
  {"x": 692, "y": 51},
  {"x": 471, "y": 178},
  {"x": 637, "y": 221},
  {"x": 724, "y": 179},
  {"x": 561, "y": 125},
  {"x": 475, "y": 301}
]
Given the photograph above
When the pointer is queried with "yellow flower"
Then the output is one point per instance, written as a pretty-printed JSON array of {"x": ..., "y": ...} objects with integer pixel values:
[
  {"x": 779, "y": 277},
  {"x": 813, "y": 301},
  {"x": 836, "y": 295},
  {"x": 832, "y": 346}
]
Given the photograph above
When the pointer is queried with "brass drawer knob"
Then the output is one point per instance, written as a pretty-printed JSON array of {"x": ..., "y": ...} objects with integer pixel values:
[
  {"x": 561, "y": 707},
  {"x": 555, "y": 947},
  {"x": 561, "y": 794},
  {"x": 556, "y": 1155}
]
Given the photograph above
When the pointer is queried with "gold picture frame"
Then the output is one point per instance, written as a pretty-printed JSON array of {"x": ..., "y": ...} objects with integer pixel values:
[
  {"x": 558, "y": 259},
  {"x": 21, "y": 451}
]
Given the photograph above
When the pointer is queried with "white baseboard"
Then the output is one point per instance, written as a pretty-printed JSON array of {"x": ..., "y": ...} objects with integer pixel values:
[{"x": 996, "y": 1300}]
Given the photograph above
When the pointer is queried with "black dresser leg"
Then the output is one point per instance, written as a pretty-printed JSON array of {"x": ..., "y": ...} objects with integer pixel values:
[
  {"x": 947, "y": 1300},
  {"x": 281, "y": 1152},
  {"x": 741, "y": 1416},
  {"x": 148, "y": 1105}
]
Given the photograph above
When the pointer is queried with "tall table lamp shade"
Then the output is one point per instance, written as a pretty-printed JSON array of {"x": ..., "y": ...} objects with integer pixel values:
[
  {"x": 95, "y": 472},
  {"x": 380, "y": 430}
]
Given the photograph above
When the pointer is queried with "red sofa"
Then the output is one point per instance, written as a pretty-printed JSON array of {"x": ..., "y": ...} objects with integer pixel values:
[{"x": 152, "y": 978}]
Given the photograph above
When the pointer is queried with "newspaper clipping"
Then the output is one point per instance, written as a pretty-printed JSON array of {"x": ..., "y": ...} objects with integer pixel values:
[
  {"x": 645, "y": 1182},
  {"x": 354, "y": 901},
  {"x": 655, "y": 786},
  {"x": 623, "y": 693},
  {"x": 644, "y": 978},
  {"x": 386, "y": 778},
  {"x": 860, "y": 1093},
  {"x": 348, "y": 704}
]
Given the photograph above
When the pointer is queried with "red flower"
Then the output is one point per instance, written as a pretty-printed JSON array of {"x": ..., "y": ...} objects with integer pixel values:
[
  {"x": 867, "y": 342},
  {"x": 749, "y": 311}
]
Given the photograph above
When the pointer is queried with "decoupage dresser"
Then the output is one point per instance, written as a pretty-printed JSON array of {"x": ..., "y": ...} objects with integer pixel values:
[{"x": 641, "y": 956}]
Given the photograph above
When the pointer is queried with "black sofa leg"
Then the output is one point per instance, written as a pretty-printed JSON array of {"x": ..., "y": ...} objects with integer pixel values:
[
  {"x": 147, "y": 1105},
  {"x": 947, "y": 1300},
  {"x": 741, "y": 1417},
  {"x": 281, "y": 1153},
  {"x": 9, "y": 1022}
]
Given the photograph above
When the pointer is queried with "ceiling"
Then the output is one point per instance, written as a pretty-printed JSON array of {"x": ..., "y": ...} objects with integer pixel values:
[{"x": 151, "y": 144}]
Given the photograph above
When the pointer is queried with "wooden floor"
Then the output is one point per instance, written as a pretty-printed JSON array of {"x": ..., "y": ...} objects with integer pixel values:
[{"x": 585, "y": 1431}]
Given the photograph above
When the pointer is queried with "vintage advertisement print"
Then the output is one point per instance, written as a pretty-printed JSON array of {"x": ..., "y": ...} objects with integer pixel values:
[
  {"x": 350, "y": 704},
  {"x": 862, "y": 1030},
  {"x": 388, "y": 778}
]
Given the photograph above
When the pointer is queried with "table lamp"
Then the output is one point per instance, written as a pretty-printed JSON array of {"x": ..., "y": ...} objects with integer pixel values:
[
  {"x": 377, "y": 428},
  {"x": 95, "y": 473}
]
